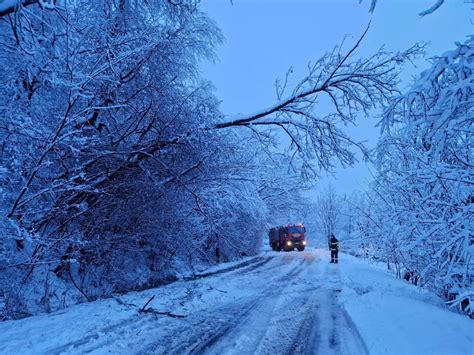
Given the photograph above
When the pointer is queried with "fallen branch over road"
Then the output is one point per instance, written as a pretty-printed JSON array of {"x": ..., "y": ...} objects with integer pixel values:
[{"x": 156, "y": 312}]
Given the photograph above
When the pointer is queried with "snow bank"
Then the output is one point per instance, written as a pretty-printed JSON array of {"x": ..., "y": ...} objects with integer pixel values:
[
  {"x": 41, "y": 334},
  {"x": 394, "y": 317}
]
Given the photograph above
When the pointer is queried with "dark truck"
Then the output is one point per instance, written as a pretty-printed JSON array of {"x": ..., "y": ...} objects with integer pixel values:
[{"x": 287, "y": 237}]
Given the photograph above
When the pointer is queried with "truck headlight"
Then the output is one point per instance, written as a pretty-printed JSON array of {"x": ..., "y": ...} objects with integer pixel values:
[
  {"x": 288, "y": 242},
  {"x": 304, "y": 242}
]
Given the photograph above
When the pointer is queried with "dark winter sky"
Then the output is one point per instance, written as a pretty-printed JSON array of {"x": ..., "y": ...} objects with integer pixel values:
[{"x": 265, "y": 37}]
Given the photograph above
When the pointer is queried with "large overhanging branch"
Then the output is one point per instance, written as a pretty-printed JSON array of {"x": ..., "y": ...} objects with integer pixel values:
[{"x": 351, "y": 87}]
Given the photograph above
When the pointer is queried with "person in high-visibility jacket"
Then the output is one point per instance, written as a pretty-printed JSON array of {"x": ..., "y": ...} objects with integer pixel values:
[{"x": 334, "y": 247}]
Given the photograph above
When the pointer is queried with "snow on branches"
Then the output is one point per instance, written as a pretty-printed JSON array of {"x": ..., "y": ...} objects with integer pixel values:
[
  {"x": 351, "y": 86},
  {"x": 425, "y": 175},
  {"x": 10, "y": 6}
]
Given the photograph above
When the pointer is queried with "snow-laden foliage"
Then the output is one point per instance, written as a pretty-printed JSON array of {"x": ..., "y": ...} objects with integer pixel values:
[
  {"x": 339, "y": 215},
  {"x": 328, "y": 212},
  {"x": 420, "y": 212},
  {"x": 118, "y": 169},
  {"x": 106, "y": 167}
]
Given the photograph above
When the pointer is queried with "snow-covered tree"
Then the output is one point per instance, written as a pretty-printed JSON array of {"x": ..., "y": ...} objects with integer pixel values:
[
  {"x": 114, "y": 150},
  {"x": 328, "y": 212},
  {"x": 96, "y": 105},
  {"x": 424, "y": 181}
]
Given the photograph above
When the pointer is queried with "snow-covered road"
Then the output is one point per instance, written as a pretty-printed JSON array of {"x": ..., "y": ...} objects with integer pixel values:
[
  {"x": 286, "y": 303},
  {"x": 275, "y": 303}
]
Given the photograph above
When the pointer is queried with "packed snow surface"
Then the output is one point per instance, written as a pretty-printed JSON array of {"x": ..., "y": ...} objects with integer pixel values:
[{"x": 295, "y": 302}]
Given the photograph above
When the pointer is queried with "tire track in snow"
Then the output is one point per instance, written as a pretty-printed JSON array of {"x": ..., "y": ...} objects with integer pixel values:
[
  {"x": 215, "y": 327},
  {"x": 95, "y": 340},
  {"x": 200, "y": 348},
  {"x": 258, "y": 259},
  {"x": 205, "y": 328},
  {"x": 306, "y": 333},
  {"x": 246, "y": 336},
  {"x": 257, "y": 265},
  {"x": 328, "y": 330}
]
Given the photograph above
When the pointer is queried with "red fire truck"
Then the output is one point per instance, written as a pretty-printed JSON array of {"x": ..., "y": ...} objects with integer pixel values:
[{"x": 287, "y": 237}]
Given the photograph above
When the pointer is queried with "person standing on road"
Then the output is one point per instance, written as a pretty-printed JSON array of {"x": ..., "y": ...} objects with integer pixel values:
[{"x": 334, "y": 247}]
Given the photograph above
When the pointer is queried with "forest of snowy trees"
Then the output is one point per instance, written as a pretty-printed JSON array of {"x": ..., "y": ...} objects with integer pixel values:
[
  {"x": 118, "y": 170},
  {"x": 419, "y": 210}
]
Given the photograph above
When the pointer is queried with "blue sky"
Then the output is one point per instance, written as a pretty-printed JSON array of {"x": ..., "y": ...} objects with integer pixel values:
[{"x": 265, "y": 37}]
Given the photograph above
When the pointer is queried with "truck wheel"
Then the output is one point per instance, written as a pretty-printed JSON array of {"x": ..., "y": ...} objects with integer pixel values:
[
  {"x": 278, "y": 247},
  {"x": 301, "y": 249}
]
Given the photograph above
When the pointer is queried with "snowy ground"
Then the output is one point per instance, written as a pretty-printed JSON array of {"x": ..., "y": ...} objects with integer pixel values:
[{"x": 271, "y": 304}]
